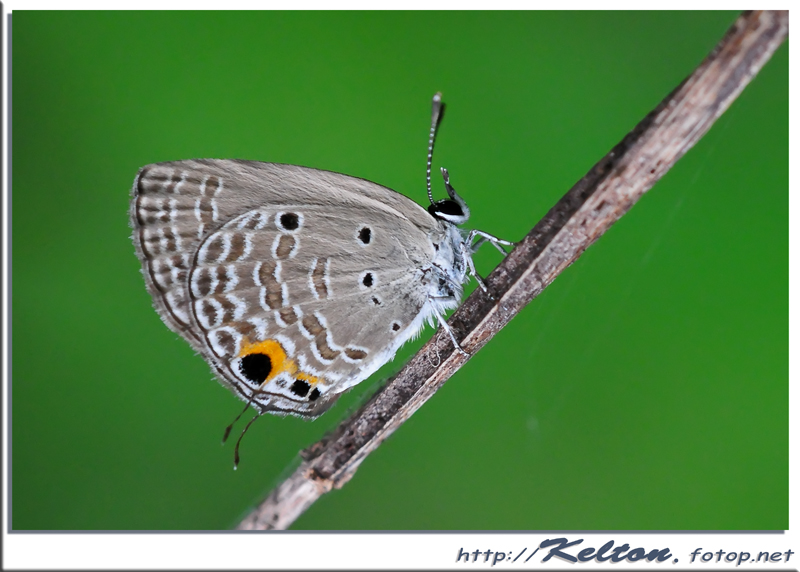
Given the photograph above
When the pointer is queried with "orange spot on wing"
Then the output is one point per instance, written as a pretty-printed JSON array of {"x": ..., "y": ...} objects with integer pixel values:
[
  {"x": 310, "y": 379},
  {"x": 281, "y": 363}
]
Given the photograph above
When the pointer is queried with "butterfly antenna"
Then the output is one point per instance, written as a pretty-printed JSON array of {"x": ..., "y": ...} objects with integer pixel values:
[
  {"x": 229, "y": 427},
  {"x": 246, "y": 407},
  {"x": 437, "y": 112},
  {"x": 239, "y": 441}
]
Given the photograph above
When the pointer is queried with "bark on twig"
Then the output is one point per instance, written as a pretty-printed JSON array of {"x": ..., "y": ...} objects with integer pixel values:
[{"x": 601, "y": 197}]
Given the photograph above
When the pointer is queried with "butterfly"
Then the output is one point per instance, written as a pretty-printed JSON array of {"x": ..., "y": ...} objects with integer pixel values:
[{"x": 295, "y": 284}]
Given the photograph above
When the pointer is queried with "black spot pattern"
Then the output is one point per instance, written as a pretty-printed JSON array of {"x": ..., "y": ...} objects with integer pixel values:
[
  {"x": 395, "y": 326},
  {"x": 365, "y": 235},
  {"x": 300, "y": 388},
  {"x": 313, "y": 395},
  {"x": 367, "y": 280},
  {"x": 256, "y": 367},
  {"x": 290, "y": 221}
]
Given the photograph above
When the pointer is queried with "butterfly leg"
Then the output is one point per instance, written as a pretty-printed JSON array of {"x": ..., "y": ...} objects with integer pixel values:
[
  {"x": 486, "y": 237},
  {"x": 474, "y": 248},
  {"x": 468, "y": 249},
  {"x": 446, "y": 327},
  {"x": 466, "y": 253}
]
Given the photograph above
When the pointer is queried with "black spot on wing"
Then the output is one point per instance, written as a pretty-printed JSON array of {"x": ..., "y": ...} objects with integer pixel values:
[
  {"x": 300, "y": 388},
  {"x": 256, "y": 367},
  {"x": 290, "y": 221}
]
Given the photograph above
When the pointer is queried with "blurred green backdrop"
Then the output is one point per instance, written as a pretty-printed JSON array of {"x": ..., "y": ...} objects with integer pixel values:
[{"x": 647, "y": 388}]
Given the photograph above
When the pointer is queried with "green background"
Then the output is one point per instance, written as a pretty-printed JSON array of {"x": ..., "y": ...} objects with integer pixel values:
[{"x": 647, "y": 388}]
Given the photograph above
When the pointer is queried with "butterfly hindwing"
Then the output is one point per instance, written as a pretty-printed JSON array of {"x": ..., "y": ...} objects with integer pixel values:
[{"x": 319, "y": 314}]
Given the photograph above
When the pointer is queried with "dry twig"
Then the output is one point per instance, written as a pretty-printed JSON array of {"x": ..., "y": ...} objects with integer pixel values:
[{"x": 601, "y": 197}]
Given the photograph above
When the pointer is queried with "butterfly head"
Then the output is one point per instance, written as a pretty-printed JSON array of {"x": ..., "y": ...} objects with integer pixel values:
[{"x": 453, "y": 210}]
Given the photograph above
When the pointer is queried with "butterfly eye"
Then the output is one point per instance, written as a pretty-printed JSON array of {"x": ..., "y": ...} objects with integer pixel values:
[{"x": 448, "y": 210}]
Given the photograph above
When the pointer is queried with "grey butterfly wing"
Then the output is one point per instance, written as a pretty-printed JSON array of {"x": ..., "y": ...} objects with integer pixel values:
[
  {"x": 176, "y": 204},
  {"x": 307, "y": 275},
  {"x": 310, "y": 316}
]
